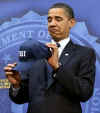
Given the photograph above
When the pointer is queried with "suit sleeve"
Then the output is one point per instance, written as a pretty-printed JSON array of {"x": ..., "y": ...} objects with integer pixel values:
[
  {"x": 81, "y": 86},
  {"x": 22, "y": 95}
]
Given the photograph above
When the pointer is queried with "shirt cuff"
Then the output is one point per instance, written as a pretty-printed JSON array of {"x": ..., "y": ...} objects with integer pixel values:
[{"x": 15, "y": 90}]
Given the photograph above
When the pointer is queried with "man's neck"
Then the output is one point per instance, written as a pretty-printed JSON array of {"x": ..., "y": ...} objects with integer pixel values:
[{"x": 58, "y": 39}]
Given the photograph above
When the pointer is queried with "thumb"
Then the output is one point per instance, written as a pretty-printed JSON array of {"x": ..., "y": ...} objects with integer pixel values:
[{"x": 15, "y": 64}]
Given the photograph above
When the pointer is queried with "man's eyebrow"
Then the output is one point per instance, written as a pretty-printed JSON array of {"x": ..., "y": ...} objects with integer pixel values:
[
  {"x": 55, "y": 17},
  {"x": 58, "y": 17}
]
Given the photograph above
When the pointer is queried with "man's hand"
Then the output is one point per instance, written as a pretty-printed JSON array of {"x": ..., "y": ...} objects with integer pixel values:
[
  {"x": 53, "y": 60},
  {"x": 13, "y": 76}
]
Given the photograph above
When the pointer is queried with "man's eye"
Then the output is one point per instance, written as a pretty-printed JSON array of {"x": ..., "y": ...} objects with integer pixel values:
[
  {"x": 49, "y": 19},
  {"x": 59, "y": 19}
]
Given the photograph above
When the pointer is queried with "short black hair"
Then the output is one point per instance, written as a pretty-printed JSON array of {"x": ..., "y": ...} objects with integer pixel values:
[{"x": 68, "y": 10}]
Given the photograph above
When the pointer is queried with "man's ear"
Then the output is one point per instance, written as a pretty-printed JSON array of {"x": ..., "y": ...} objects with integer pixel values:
[{"x": 72, "y": 22}]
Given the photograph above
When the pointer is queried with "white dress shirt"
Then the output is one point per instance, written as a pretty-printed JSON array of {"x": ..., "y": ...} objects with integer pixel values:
[{"x": 62, "y": 43}]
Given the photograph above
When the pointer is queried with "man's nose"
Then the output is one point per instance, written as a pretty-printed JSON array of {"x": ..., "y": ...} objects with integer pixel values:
[{"x": 53, "y": 23}]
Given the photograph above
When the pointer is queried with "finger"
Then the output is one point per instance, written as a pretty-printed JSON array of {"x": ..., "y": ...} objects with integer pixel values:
[
  {"x": 9, "y": 74},
  {"x": 7, "y": 68},
  {"x": 14, "y": 76},
  {"x": 51, "y": 45},
  {"x": 12, "y": 65}
]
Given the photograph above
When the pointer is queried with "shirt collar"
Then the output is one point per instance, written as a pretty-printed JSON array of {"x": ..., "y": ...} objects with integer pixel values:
[{"x": 63, "y": 42}]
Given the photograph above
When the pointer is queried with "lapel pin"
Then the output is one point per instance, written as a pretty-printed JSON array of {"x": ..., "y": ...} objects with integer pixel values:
[{"x": 66, "y": 54}]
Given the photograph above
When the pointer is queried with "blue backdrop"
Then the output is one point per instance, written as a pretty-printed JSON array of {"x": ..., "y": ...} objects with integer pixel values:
[{"x": 22, "y": 19}]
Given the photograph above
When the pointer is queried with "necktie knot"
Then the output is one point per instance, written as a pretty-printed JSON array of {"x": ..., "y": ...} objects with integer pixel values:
[{"x": 58, "y": 45}]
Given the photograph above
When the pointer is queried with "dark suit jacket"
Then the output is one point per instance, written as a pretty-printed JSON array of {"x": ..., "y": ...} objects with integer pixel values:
[{"x": 73, "y": 83}]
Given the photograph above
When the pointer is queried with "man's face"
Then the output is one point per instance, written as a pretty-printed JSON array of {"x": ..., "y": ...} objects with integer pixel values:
[{"x": 59, "y": 24}]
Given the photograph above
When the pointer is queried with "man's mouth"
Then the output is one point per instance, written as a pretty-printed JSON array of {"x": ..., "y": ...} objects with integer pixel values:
[{"x": 53, "y": 30}]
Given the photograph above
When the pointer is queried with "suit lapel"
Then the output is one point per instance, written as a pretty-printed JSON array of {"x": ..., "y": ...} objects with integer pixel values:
[{"x": 66, "y": 54}]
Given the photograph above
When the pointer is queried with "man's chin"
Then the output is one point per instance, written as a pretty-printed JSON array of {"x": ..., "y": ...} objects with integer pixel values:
[{"x": 56, "y": 38}]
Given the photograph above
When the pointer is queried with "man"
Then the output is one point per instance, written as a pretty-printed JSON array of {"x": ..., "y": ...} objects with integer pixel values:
[{"x": 73, "y": 71}]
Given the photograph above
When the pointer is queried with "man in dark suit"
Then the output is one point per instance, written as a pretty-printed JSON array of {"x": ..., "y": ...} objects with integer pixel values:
[{"x": 73, "y": 71}]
